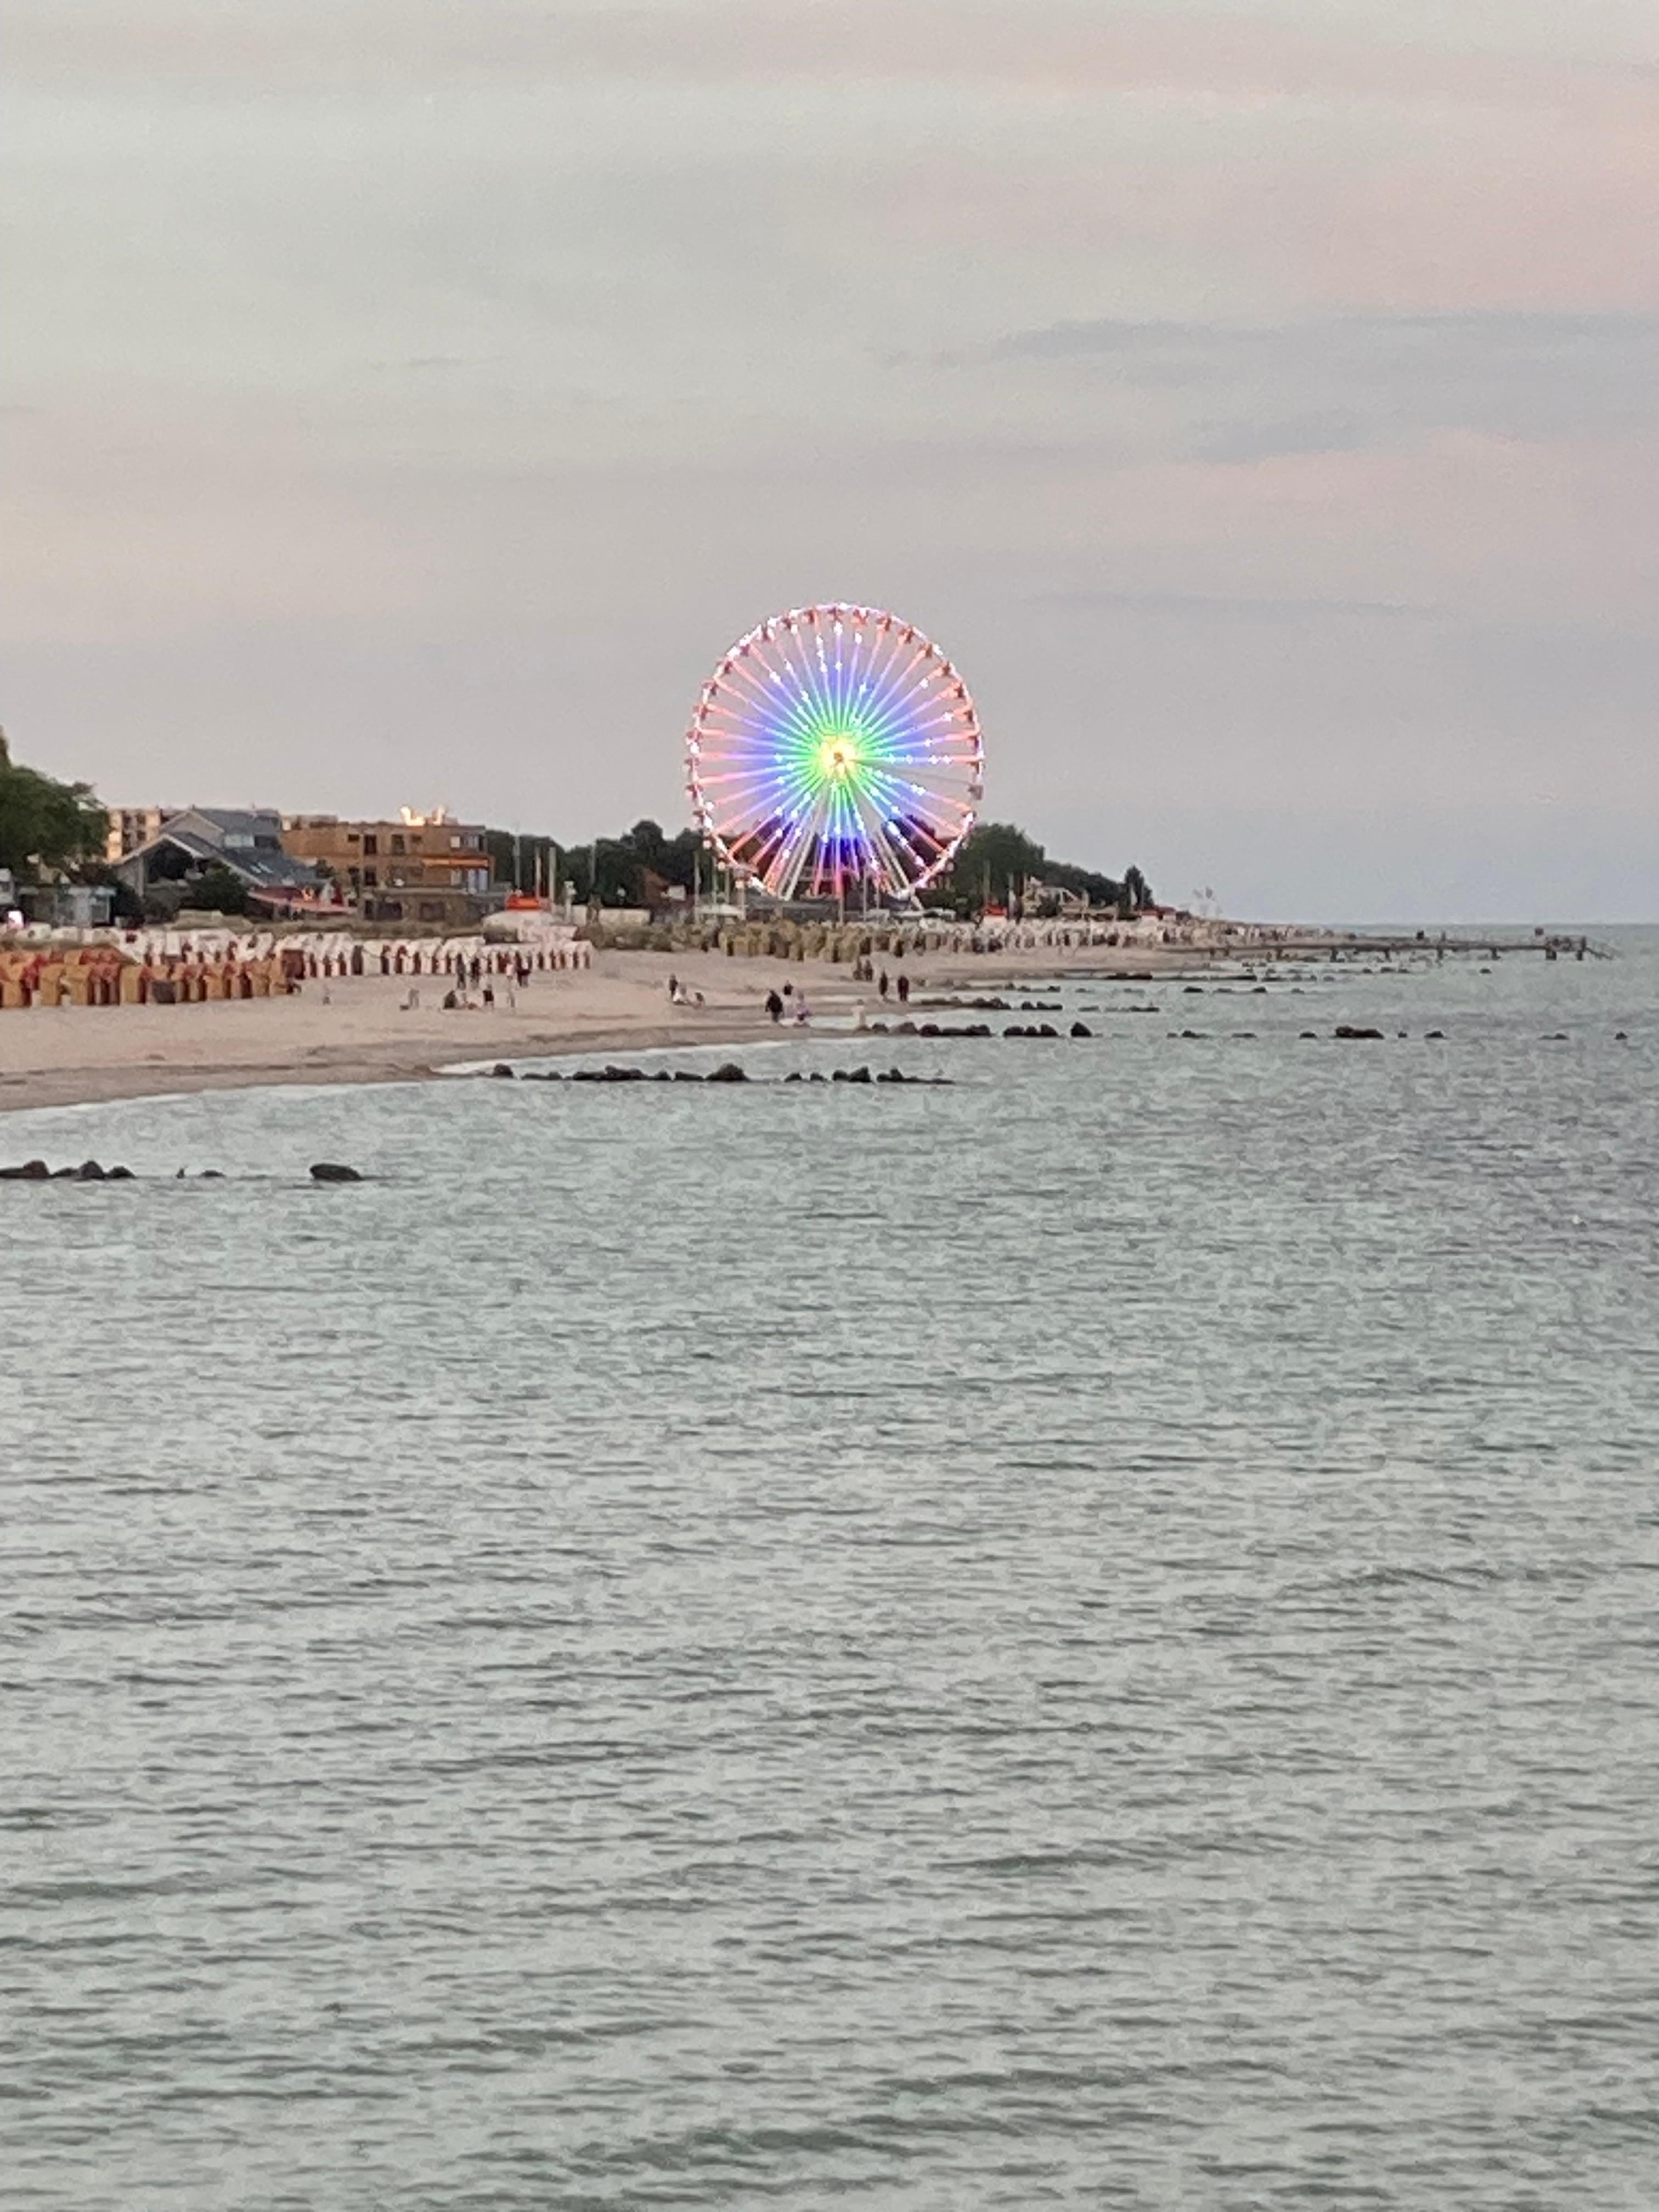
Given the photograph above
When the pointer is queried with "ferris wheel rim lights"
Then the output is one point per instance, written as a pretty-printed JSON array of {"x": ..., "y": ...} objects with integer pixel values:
[{"x": 835, "y": 745}]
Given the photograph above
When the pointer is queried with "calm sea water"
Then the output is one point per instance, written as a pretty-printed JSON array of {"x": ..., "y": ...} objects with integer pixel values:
[{"x": 1090, "y": 1638}]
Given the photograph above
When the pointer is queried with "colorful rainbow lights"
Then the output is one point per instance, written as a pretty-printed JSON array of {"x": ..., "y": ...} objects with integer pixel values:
[{"x": 835, "y": 750}]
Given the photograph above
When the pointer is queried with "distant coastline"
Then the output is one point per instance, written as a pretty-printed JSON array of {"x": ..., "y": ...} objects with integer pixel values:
[{"x": 360, "y": 1030}]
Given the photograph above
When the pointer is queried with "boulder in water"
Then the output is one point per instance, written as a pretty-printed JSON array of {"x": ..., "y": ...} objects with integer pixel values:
[
  {"x": 333, "y": 1171},
  {"x": 31, "y": 1171},
  {"x": 728, "y": 1071}
]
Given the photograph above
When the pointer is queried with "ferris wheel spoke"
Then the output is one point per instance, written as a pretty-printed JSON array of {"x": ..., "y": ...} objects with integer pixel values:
[
  {"x": 899, "y": 680},
  {"x": 797, "y": 848},
  {"x": 891, "y": 867}
]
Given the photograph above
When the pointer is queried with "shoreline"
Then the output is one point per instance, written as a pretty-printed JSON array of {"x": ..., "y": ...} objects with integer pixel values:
[{"x": 357, "y": 1030}]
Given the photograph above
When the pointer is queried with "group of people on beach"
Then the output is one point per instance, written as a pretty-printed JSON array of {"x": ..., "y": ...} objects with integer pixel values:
[{"x": 865, "y": 971}]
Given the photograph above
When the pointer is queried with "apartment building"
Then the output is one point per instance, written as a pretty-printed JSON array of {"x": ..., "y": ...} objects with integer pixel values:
[{"x": 419, "y": 868}]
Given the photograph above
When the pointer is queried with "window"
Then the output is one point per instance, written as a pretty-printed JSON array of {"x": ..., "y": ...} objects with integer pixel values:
[
  {"x": 397, "y": 841},
  {"x": 352, "y": 838},
  {"x": 371, "y": 877},
  {"x": 371, "y": 842}
]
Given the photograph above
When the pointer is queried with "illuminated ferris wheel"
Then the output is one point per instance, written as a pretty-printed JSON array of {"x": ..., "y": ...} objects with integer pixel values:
[{"x": 835, "y": 748}]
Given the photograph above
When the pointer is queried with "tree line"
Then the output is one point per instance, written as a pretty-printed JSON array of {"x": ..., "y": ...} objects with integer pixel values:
[
  {"x": 50, "y": 830},
  {"x": 997, "y": 864}
]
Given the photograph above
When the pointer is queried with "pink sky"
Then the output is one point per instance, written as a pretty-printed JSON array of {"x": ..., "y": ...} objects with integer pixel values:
[{"x": 409, "y": 403}]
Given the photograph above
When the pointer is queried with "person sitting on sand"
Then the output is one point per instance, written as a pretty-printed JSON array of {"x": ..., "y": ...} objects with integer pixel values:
[{"x": 450, "y": 1001}]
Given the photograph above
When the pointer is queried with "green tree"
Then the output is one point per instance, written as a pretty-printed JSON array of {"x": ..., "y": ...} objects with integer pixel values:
[
  {"x": 46, "y": 828},
  {"x": 217, "y": 889},
  {"x": 1137, "y": 892},
  {"x": 994, "y": 863}
]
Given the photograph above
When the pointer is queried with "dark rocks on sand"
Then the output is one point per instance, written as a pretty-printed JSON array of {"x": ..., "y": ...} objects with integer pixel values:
[
  {"x": 728, "y": 1071},
  {"x": 332, "y": 1171}
]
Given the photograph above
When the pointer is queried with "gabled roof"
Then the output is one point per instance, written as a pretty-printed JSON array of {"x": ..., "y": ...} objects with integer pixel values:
[
  {"x": 237, "y": 822},
  {"x": 261, "y": 869}
]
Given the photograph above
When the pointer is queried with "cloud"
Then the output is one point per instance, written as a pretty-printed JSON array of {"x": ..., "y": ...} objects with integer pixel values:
[{"x": 1350, "y": 383}]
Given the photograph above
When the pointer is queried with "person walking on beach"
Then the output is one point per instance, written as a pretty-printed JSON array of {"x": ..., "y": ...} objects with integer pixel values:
[
  {"x": 882, "y": 985},
  {"x": 774, "y": 1005},
  {"x": 903, "y": 988},
  {"x": 673, "y": 990}
]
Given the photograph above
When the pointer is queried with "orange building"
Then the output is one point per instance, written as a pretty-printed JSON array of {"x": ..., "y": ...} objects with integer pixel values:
[{"x": 420, "y": 868}]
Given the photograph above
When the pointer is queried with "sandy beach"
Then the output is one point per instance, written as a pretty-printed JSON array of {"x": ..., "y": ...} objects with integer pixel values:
[{"x": 359, "y": 1030}]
